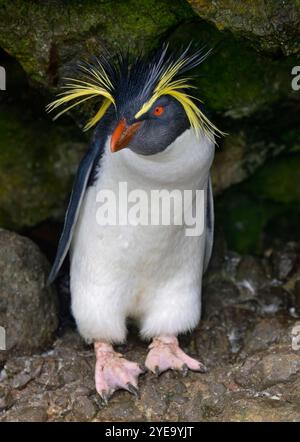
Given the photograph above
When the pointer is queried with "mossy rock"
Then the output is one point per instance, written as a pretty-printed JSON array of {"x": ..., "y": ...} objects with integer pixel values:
[
  {"x": 270, "y": 25},
  {"x": 46, "y": 36},
  {"x": 278, "y": 181},
  {"x": 266, "y": 199},
  {"x": 236, "y": 80},
  {"x": 38, "y": 158},
  {"x": 37, "y": 163}
]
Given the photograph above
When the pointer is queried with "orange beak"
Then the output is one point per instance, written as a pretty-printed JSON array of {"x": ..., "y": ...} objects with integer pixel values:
[{"x": 122, "y": 135}]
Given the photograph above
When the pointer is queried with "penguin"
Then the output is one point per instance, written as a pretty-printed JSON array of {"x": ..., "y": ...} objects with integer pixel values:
[{"x": 150, "y": 134}]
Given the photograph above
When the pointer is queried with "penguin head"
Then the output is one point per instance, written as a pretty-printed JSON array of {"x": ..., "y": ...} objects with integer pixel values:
[
  {"x": 154, "y": 131},
  {"x": 148, "y": 100}
]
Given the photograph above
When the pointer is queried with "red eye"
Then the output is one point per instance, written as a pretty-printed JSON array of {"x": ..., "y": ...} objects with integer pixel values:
[{"x": 158, "y": 110}]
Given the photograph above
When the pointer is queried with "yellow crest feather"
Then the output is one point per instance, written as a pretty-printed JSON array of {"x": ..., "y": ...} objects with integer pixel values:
[
  {"x": 79, "y": 90},
  {"x": 175, "y": 88},
  {"x": 110, "y": 81}
]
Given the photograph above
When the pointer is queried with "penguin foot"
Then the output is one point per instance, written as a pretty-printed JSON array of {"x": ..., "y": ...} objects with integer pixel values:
[
  {"x": 113, "y": 372},
  {"x": 165, "y": 354}
]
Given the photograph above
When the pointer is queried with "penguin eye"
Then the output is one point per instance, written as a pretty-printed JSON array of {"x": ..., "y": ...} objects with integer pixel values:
[{"x": 158, "y": 110}]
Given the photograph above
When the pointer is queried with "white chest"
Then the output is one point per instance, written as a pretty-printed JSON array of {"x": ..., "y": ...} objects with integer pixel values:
[{"x": 144, "y": 247}]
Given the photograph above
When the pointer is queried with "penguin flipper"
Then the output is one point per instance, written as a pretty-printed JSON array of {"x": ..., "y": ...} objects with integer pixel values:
[
  {"x": 79, "y": 187},
  {"x": 209, "y": 225}
]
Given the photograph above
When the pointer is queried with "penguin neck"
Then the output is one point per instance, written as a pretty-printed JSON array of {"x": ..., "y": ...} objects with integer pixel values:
[{"x": 183, "y": 164}]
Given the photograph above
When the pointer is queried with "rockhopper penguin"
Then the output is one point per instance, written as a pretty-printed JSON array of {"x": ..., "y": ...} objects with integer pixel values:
[{"x": 150, "y": 134}]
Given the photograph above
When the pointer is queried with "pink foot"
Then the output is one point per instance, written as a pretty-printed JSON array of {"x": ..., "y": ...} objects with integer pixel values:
[
  {"x": 113, "y": 372},
  {"x": 165, "y": 354}
]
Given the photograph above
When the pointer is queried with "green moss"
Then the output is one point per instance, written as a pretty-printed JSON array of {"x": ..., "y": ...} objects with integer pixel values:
[
  {"x": 243, "y": 219},
  {"x": 235, "y": 79},
  {"x": 246, "y": 209},
  {"x": 278, "y": 181},
  {"x": 36, "y": 168},
  {"x": 45, "y": 35}
]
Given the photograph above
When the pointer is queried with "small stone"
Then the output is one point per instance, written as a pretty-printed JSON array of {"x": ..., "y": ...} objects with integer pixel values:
[
  {"x": 280, "y": 368},
  {"x": 265, "y": 333},
  {"x": 20, "y": 380},
  {"x": 273, "y": 299},
  {"x": 84, "y": 407},
  {"x": 264, "y": 371},
  {"x": 219, "y": 293},
  {"x": 284, "y": 261},
  {"x": 250, "y": 275},
  {"x": 27, "y": 414}
]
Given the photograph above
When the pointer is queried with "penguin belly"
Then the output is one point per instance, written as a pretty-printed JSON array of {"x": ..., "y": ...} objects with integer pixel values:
[{"x": 152, "y": 273}]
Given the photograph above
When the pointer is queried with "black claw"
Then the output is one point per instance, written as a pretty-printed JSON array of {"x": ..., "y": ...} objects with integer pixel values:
[
  {"x": 132, "y": 389},
  {"x": 156, "y": 370},
  {"x": 202, "y": 368},
  {"x": 105, "y": 396},
  {"x": 184, "y": 370}
]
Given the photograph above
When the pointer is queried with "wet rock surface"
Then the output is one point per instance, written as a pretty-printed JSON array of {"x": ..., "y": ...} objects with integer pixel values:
[
  {"x": 270, "y": 24},
  {"x": 28, "y": 308},
  {"x": 49, "y": 35},
  {"x": 245, "y": 85},
  {"x": 251, "y": 351}
]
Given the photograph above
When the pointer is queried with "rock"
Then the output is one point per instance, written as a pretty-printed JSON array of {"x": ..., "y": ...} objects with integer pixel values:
[
  {"x": 271, "y": 25},
  {"x": 251, "y": 82},
  {"x": 280, "y": 368},
  {"x": 219, "y": 293},
  {"x": 46, "y": 43},
  {"x": 84, "y": 407},
  {"x": 242, "y": 152},
  {"x": 247, "y": 211},
  {"x": 20, "y": 380},
  {"x": 250, "y": 275},
  {"x": 261, "y": 410},
  {"x": 28, "y": 307},
  {"x": 27, "y": 414},
  {"x": 228, "y": 167},
  {"x": 38, "y": 161},
  {"x": 265, "y": 333},
  {"x": 46, "y": 37},
  {"x": 273, "y": 299},
  {"x": 264, "y": 387},
  {"x": 285, "y": 261},
  {"x": 267, "y": 370},
  {"x": 276, "y": 180}
]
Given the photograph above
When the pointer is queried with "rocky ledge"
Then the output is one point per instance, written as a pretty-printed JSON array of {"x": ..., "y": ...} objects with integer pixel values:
[{"x": 248, "y": 339}]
